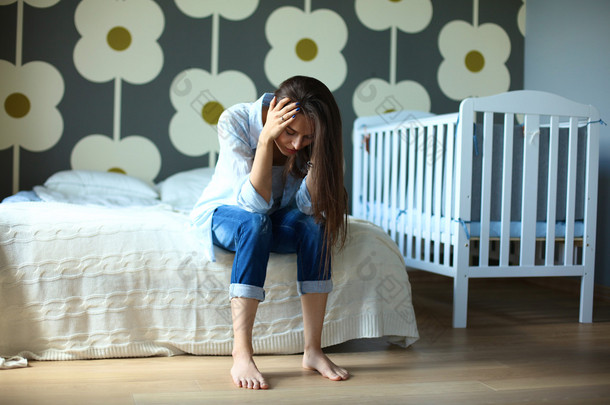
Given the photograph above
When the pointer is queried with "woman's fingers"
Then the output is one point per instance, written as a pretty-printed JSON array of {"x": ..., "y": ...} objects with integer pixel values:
[
  {"x": 284, "y": 110},
  {"x": 286, "y": 107},
  {"x": 279, "y": 105}
]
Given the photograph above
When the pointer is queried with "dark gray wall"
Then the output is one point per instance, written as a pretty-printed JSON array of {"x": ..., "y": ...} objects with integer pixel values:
[
  {"x": 567, "y": 52},
  {"x": 50, "y": 35}
]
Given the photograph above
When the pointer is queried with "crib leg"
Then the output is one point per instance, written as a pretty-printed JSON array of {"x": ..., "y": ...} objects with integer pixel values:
[
  {"x": 586, "y": 297},
  {"x": 460, "y": 300}
]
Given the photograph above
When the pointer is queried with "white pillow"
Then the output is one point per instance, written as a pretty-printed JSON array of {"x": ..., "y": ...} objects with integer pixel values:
[
  {"x": 183, "y": 189},
  {"x": 102, "y": 184},
  {"x": 108, "y": 200}
]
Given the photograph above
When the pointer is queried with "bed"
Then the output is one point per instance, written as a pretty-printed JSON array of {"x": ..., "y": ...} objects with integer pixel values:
[
  {"x": 506, "y": 187},
  {"x": 102, "y": 265}
]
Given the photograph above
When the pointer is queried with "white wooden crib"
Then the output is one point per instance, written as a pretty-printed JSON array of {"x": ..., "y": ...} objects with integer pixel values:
[{"x": 478, "y": 194}]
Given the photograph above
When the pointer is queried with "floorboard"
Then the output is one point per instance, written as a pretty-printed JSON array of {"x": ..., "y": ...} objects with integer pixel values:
[{"x": 523, "y": 345}]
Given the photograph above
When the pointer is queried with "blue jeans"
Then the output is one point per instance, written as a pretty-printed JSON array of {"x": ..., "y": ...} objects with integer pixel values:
[{"x": 253, "y": 236}]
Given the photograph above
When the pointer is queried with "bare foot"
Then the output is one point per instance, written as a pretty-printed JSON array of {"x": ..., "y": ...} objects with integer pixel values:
[
  {"x": 318, "y": 361},
  {"x": 245, "y": 373}
]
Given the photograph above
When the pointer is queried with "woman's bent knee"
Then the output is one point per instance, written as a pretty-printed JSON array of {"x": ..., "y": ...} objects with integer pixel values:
[{"x": 254, "y": 224}]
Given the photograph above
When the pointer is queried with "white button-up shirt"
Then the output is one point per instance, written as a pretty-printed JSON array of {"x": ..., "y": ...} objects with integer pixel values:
[{"x": 238, "y": 130}]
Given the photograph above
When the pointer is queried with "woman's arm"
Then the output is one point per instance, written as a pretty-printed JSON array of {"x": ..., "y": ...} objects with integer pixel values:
[
  {"x": 309, "y": 183},
  {"x": 260, "y": 176},
  {"x": 303, "y": 198},
  {"x": 232, "y": 174}
]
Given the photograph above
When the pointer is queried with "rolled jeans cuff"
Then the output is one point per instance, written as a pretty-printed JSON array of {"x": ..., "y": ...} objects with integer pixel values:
[
  {"x": 246, "y": 291},
  {"x": 314, "y": 286}
]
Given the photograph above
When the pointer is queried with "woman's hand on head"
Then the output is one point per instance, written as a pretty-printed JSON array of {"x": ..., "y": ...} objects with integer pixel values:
[{"x": 279, "y": 115}]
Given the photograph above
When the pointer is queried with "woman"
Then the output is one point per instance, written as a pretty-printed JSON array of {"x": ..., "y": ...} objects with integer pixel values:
[{"x": 278, "y": 187}]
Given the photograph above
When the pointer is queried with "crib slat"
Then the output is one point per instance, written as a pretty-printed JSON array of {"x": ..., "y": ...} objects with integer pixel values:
[
  {"x": 488, "y": 120},
  {"x": 507, "y": 184},
  {"x": 358, "y": 199},
  {"x": 571, "y": 191},
  {"x": 437, "y": 160},
  {"x": 367, "y": 184},
  {"x": 403, "y": 190},
  {"x": 410, "y": 228},
  {"x": 427, "y": 208},
  {"x": 366, "y": 178},
  {"x": 362, "y": 175},
  {"x": 449, "y": 173},
  {"x": 531, "y": 145},
  {"x": 385, "y": 197},
  {"x": 370, "y": 212},
  {"x": 379, "y": 180},
  {"x": 393, "y": 212},
  {"x": 419, "y": 192},
  {"x": 551, "y": 207},
  {"x": 364, "y": 203}
]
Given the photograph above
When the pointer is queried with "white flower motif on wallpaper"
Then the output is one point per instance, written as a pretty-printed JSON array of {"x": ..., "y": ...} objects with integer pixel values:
[
  {"x": 33, "y": 3},
  {"x": 376, "y": 96},
  {"x": 118, "y": 41},
  {"x": 232, "y": 10},
  {"x": 521, "y": 18},
  {"x": 199, "y": 98},
  {"x": 117, "y": 44},
  {"x": 133, "y": 155},
  {"x": 29, "y": 117},
  {"x": 407, "y": 15},
  {"x": 474, "y": 60},
  {"x": 304, "y": 43}
]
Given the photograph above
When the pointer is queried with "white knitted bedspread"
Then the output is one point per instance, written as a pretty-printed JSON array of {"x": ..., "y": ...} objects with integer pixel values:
[{"x": 84, "y": 282}]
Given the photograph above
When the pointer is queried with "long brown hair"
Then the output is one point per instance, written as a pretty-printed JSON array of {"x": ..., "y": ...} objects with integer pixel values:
[{"x": 328, "y": 196}]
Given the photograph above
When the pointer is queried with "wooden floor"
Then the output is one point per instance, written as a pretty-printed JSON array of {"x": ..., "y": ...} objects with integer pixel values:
[{"x": 523, "y": 344}]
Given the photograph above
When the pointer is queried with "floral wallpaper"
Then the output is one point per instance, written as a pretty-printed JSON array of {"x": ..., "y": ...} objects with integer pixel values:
[{"x": 137, "y": 86}]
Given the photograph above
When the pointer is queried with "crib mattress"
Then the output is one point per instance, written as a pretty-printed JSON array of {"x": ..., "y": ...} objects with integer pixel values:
[
  {"x": 495, "y": 228},
  {"x": 472, "y": 228},
  {"x": 80, "y": 282}
]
